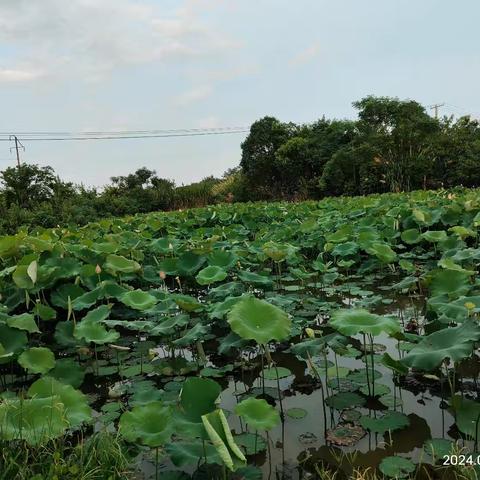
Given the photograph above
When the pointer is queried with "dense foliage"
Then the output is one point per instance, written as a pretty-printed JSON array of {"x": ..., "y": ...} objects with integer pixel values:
[
  {"x": 206, "y": 336},
  {"x": 393, "y": 146}
]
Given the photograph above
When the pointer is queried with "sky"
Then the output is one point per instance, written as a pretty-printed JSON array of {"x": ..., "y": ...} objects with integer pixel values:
[{"x": 106, "y": 65}]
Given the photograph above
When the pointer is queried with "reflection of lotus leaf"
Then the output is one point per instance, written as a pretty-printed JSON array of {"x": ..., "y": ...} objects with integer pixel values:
[
  {"x": 37, "y": 360},
  {"x": 343, "y": 400},
  {"x": 274, "y": 373},
  {"x": 257, "y": 413},
  {"x": 356, "y": 320},
  {"x": 251, "y": 443},
  {"x": 151, "y": 424},
  {"x": 258, "y": 320}
]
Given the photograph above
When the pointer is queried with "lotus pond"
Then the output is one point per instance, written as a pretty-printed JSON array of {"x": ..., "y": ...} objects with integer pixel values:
[{"x": 331, "y": 339}]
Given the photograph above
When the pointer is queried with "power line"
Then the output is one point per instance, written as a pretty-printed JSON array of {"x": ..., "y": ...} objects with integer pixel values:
[{"x": 110, "y": 135}]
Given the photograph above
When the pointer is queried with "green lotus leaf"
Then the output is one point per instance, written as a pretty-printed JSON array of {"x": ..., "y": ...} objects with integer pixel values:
[
  {"x": 278, "y": 251},
  {"x": 454, "y": 343},
  {"x": 438, "y": 448},
  {"x": 187, "y": 303},
  {"x": 382, "y": 251},
  {"x": 37, "y": 360},
  {"x": 222, "y": 259},
  {"x": 251, "y": 443},
  {"x": 449, "y": 282},
  {"x": 390, "y": 421},
  {"x": 411, "y": 236},
  {"x": 64, "y": 334},
  {"x": 274, "y": 373},
  {"x": 211, "y": 274},
  {"x": 92, "y": 331},
  {"x": 449, "y": 264},
  {"x": 21, "y": 278},
  {"x": 34, "y": 420},
  {"x": 150, "y": 424},
  {"x": 467, "y": 414},
  {"x": 343, "y": 400},
  {"x": 87, "y": 299},
  {"x": 355, "y": 321},
  {"x": 218, "y": 431},
  {"x": 189, "y": 263},
  {"x": 188, "y": 453},
  {"x": 45, "y": 312},
  {"x": 68, "y": 371},
  {"x": 138, "y": 300},
  {"x": 119, "y": 264},
  {"x": 198, "y": 397},
  {"x": 24, "y": 321},
  {"x": 434, "y": 236},
  {"x": 254, "y": 319},
  {"x": 13, "y": 340},
  {"x": 76, "y": 408},
  {"x": 254, "y": 278},
  {"x": 192, "y": 335},
  {"x": 394, "y": 365},
  {"x": 345, "y": 249},
  {"x": 257, "y": 413},
  {"x": 397, "y": 467},
  {"x": 59, "y": 297},
  {"x": 296, "y": 413}
]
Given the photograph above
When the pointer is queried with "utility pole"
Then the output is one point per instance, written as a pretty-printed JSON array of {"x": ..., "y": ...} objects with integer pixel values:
[
  {"x": 435, "y": 107},
  {"x": 17, "y": 145}
]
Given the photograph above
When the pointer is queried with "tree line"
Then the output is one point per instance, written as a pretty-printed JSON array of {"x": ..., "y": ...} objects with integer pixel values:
[{"x": 393, "y": 145}]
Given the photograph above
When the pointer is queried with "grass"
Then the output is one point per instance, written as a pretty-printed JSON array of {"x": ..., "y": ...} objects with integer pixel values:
[{"x": 100, "y": 457}]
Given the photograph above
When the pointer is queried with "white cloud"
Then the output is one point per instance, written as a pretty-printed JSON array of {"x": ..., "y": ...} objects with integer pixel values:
[
  {"x": 9, "y": 75},
  {"x": 88, "y": 39},
  {"x": 305, "y": 55},
  {"x": 194, "y": 95}
]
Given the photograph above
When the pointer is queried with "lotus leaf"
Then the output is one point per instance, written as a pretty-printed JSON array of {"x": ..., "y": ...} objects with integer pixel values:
[
  {"x": 198, "y": 397},
  {"x": 218, "y": 430},
  {"x": 397, "y": 467},
  {"x": 119, "y": 264},
  {"x": 355, "y": 321},
  {"x": 258, "y": 413},
  {"x": 24, "y": 321},
  {"x": 138, "y": 300},
  {"x": 254, "y": 319},
  {"x": 211, "y": 274},
  {"x": 390, "y": 421},
  {"x": 150, "y": 424},
  {"x": 454, "y": 343},
  {"x": 76, "y": 409},
  {"x": 37, "y": 360},
  {"x": 34, "y": 420}
]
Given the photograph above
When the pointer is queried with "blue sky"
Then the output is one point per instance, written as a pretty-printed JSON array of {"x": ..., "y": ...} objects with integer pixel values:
[{"x": 86, "y": 65}]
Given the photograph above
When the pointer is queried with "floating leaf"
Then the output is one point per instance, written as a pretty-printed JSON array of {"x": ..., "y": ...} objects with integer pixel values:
[
  {"x": 389, "y": 422},
  {"x": 354, "y": 321},
  {"x": 274, "y": 373},
  {"x": 345, "y": 435},
  {"x": 396, "y": 467}
]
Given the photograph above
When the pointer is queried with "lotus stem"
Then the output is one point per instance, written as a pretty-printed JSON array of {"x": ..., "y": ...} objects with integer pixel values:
[
  {"x": 373, "y": 365},
  {"x": 366, "y": 364}
]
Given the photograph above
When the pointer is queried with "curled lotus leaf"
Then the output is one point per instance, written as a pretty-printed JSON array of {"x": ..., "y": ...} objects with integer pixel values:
[
  {"x": 254, "y": 319},
  {"x": 211, "y": 274},
  {"x": 218, "y": 431},
  {"x": 119, "y": 264},
  {"x": 257, "y": 413},
  {"x": 150, "y": 424},
  {"x": 24, "y": 321},
  {"x": 138, "y": 299}
]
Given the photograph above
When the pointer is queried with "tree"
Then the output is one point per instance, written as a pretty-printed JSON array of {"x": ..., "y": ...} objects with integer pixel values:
[
  {"x": 29, "y": 185},
  {"x": 400, "y": 134},
  {"x": 258, "y": 162}
]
